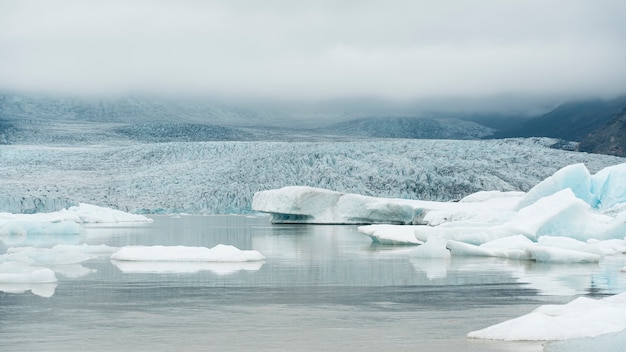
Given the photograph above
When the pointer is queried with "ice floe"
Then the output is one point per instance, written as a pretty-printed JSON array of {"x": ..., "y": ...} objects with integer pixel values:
[
  {"x": 63, "y": 222},
  {"x": 582, "y": 317},
  {"x": 219, "y": 253},
  {"x": 25, "y": 269}
]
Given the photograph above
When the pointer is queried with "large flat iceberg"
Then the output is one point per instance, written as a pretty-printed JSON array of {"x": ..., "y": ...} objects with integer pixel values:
[
  {"x": 219, "y": 253},
  {"x": 299, "y": 204}
]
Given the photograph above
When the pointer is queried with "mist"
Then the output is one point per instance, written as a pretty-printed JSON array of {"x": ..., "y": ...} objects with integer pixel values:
[{"x": 520, "y": 56}]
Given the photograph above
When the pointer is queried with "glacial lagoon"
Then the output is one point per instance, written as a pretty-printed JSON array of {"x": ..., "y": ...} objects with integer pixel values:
[{"x": 321, "y": 288}]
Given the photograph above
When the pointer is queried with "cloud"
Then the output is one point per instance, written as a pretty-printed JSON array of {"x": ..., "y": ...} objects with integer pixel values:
[{"x": 398, "y": 50}]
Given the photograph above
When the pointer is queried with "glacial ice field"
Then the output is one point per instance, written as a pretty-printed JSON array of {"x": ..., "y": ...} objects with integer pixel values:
[{"x": 222, "y": 177}]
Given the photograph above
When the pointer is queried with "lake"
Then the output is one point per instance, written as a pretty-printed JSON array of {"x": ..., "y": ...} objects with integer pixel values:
[{"x": 321, "y": 288}]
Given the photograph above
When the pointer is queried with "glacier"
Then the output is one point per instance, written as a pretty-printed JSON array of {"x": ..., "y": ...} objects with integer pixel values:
[{"x": 222, "y": 177}]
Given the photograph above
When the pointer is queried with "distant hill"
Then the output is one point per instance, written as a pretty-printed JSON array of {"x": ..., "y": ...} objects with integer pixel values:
[
  {"x": 571, "y": 121},
  {"x": 609, "y": 139}
]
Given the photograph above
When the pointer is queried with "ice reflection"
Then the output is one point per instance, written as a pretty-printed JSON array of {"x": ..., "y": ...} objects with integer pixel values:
[
  {"x": 435, "y": 268},
  {"x": 546, "y": 278}
]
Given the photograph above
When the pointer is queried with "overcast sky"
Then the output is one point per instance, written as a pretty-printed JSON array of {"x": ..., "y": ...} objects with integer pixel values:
[{"x": 315, "y": 50}]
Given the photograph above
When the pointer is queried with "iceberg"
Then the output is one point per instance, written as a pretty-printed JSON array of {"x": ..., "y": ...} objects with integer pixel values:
[
  {"x": 300, "y": 204},
  {"x": 561, "y": 220},
  {"x": 582, "y": 317},
  {"x": 219, "y": 253},
  {"x": 62, "y": 222},
  {"x": 603, "y": 190},
  {"x": 574, "y": 177}
]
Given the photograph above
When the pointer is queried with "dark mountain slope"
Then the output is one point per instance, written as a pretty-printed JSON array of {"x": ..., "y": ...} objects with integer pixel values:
[
  {"x": 570, "y": 121},
  {"x": 609, "y": 139},
  {"x": 409, "y": 127}
]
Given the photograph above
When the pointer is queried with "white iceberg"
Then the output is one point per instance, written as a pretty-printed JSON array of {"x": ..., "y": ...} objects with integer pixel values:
[
  {"x": 219, "y": 253},
  {"x": 582, "y": 317},
  {"x": 299, "y": 204}
]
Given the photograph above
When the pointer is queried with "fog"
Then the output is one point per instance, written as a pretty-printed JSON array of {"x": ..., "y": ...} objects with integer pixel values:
[{"x": 486, "y": 54}]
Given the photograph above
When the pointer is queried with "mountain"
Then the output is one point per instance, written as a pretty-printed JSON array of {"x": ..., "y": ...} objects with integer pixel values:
[
  {"x": 609, "y": 139},
  {"x": 409, "y": 127},
  {"x": 32, "y": 119},
  {"x": 571, "y": 121}
]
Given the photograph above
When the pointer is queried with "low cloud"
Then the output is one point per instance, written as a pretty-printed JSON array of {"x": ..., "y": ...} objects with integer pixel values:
[{"x": 284, "y": 50}]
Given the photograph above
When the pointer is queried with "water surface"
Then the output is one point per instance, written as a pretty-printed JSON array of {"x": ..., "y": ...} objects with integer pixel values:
[{"x": 321, "y": 288}]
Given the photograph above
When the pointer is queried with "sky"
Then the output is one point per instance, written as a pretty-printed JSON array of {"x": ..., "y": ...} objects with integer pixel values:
[{"x": 286, "y": 50}]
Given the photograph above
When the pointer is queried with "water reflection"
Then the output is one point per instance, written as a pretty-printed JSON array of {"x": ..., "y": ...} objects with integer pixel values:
[
  {"x": 42, "y": 290},
  {"x": 129, "y": 267}
]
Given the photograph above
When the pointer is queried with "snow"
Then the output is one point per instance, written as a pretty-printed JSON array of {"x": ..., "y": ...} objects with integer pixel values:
[
  {"x": 582, "y": 317},
  {"x": 219, "y": 253}
]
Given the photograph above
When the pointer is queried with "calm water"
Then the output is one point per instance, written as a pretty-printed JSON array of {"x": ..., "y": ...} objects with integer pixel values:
[{"x": 322, "y": 288}]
